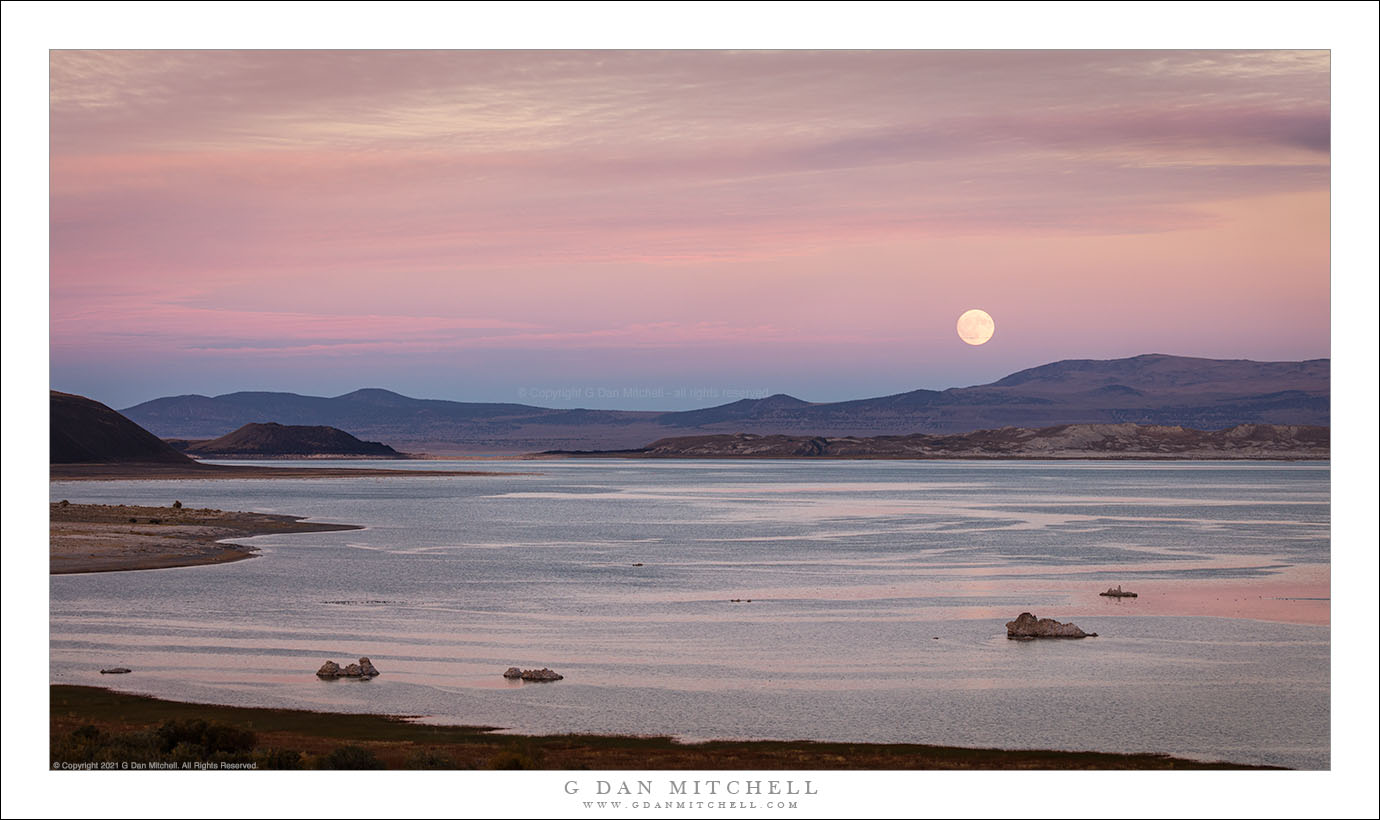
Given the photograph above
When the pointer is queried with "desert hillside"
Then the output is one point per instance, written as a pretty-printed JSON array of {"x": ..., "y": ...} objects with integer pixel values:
[
  {"x": 1247, "y": 441},
  {"x": 83, "y": 431},
  {"x": 273, "y": 439}
]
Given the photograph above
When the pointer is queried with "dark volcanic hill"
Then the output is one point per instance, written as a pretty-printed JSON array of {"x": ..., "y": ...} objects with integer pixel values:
[
  {"x": 83, "y": 431},
  {"x": 274, "y": 439},
  {"x": 1246, "y": 441},
  {"x": 1201, "y": 394}
]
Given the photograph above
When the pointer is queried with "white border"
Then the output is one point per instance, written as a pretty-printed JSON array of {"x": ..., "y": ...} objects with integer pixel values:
[{"x": 1349, "y": 29}]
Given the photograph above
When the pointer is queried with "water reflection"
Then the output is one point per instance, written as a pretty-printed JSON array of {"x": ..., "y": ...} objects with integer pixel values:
[{"x": 853, "y": 569}]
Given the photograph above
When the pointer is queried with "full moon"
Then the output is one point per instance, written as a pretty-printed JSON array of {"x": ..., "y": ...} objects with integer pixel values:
[{"x": 976, "y": 327}]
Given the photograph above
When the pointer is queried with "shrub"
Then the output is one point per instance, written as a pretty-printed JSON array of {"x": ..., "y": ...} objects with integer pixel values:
[
  {"x": 193, "y": 737},
  {"x": 514, "y": 757},
  {"x": 278, "y": 759},
  {"x": 349, "y": 757},
  {"x": 88, "y": 744},
  {"x": 430, "y": 759}
]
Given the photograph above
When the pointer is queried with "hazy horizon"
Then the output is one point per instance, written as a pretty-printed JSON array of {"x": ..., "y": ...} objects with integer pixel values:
[
  {"x": 479, "y": 225},
  {"x": 606, "y": 397}
]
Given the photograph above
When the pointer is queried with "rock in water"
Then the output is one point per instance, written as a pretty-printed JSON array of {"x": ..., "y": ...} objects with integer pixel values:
[
  {"x": 542, "y": 674},
  {"x": 363, "y": 669},
  {"x": 116, "y": 670},
  {"x": 1027, "y": 625},
  {"x": 538, "y": 675}
]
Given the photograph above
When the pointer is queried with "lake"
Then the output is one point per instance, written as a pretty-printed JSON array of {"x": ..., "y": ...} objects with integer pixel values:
[{"x": 871, "y": 602}]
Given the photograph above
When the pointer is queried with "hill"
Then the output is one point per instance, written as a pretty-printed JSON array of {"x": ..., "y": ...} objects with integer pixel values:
[
  {"x": 1247, "y": 441},
  {"x": 272, "y": 439},
  {"x": 1203, "y": 394},
  {"x": 90, "y": 442},
  {"x": 83, "y": 431},
  {"x": 1154, "y": 389}
]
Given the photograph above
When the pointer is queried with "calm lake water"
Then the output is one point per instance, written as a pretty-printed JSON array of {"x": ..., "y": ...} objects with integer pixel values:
[{"x": 879, "y": 593}]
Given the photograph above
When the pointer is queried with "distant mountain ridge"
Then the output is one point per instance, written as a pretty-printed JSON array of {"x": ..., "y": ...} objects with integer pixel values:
[{"x": 1153, "y": 389}]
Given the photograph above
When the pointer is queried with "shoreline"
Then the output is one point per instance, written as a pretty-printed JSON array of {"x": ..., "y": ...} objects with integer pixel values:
[
  {"x": 1067, "y": 456},
  {"x": 85, "y": 538},
  {"x": 176, "y": 472},
  {"x": 299, "y": 738}
]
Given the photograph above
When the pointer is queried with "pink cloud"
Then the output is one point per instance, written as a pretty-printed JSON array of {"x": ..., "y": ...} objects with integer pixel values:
[{"x": 759, "y": 205}]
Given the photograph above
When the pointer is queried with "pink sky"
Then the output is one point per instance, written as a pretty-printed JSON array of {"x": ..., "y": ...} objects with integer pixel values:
[{"x": 473, "y": 225}]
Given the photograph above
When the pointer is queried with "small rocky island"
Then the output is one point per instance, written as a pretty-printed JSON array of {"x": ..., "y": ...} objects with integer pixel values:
[
  {"x": 363, "y": 669},
  {"x": 273, "y": 440},
  {"x": 1118, "y": 593},
  {"x": 538, "y": 675},
  {"x": 1027, "y": 627}
]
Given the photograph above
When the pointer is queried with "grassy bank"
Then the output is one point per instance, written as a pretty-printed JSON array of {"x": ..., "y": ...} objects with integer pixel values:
[{"x": 90, "y": 724}]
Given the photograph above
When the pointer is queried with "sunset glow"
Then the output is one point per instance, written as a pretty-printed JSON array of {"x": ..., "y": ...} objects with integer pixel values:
[{"x": 466, "y": 225}]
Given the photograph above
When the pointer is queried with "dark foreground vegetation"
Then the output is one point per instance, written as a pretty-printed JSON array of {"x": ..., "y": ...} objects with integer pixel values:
[{"x": 92, "y": 725}]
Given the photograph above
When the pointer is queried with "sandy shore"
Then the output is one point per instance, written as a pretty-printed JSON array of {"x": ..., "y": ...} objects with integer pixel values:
[
  {"x": 1054, "y": 455},
  {"x": 112, "y": 538},
  {"x": 165, "y": 472},
  {"x": 291, "y": 738}
]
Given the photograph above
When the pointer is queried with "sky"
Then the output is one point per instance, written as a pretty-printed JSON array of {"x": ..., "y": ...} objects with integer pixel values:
[{"x": 674, "y": 229}]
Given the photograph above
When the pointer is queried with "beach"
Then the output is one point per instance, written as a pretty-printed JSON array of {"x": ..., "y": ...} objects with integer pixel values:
[
  {"x": 198, "y": 470},
  {"x": 119, "y": 537}
]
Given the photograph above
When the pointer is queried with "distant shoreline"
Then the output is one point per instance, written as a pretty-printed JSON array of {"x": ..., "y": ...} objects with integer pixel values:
[
  {"x": 194, "y": 470},
  {"x": 86, "y": 538},
  {"x": 1141, "y": 442},
  {"x": 204, "y": 457},
  {"x": 305, "y": 738},
  {"x": 633, "y": 454},
  {"x": 1083, "y": 456}
]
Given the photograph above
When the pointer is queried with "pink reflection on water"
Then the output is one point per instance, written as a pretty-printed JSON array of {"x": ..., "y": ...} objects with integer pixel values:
[{"x": 1280, "y": 592}]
